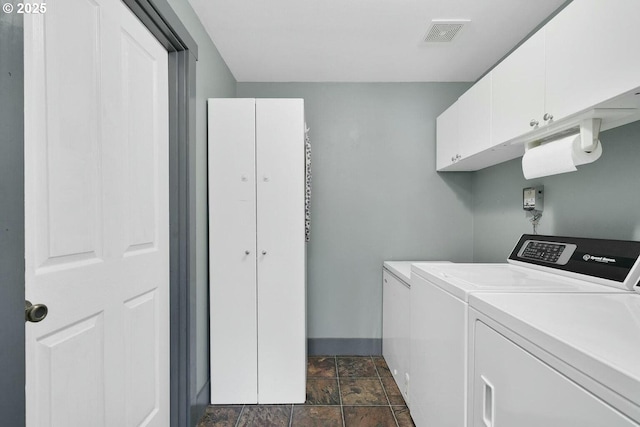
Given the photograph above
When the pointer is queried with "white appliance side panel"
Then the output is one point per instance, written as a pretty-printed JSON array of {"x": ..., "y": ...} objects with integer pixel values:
[
  {"x": 281, "y": 251},
  {"x": 232, "y": 232},
  {"x": 396, "y": 305},
  {"x": 438, "y": 356},
  {"x": 513, "y": 388}
]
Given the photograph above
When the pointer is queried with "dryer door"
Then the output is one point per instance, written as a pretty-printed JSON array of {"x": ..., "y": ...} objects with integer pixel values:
[{"x": 511, "y": 387}]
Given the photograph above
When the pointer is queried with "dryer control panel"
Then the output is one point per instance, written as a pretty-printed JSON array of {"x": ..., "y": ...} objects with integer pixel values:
[
  {"x": 550, "y": 252},
  {"x": 608, "y": 262}
]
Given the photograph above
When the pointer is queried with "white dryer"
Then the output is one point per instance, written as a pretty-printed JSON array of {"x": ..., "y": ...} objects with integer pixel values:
[
  {"x": 439, "y": 309},
  {"x": 554, "y": 360}
]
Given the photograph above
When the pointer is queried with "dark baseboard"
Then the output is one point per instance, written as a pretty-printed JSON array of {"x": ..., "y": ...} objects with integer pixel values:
[
  {"x": 202, "y": 401},
  {"x": 344, "y": 346}
]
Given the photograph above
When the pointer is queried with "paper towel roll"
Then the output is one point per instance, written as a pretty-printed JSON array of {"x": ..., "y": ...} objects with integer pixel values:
[{"x": 560, "y": 156}]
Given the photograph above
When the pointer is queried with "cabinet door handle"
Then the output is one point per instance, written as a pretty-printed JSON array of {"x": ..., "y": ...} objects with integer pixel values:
[
  {"x": 264, "y": 252},
  {"x": 247, "y": 252},
  {"x": 533, "y": 123},
  {"x": 488, "y": 402},
  {"x": 547, "y": 117}
]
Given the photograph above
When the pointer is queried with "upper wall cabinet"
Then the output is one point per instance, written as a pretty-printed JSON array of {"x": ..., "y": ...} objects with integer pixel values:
[
  {"x": 592, "y": 54},
  {"x": 581, "y": 64},
  {"x": 465, "y": 128},
  {"x": 518, "y": 91}
]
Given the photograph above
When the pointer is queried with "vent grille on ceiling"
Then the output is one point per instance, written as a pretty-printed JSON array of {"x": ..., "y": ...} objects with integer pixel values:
[{"x": 442, "y": 31}]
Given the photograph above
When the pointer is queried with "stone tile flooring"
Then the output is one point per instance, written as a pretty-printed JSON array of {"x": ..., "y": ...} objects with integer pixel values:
[{"x": 342, "y": 391}]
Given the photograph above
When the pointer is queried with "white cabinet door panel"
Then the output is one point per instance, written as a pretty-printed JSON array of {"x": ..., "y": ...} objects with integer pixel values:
[
  {"x": 447, "y": 137},
  {"x": 591, "y": 54},
  {"x": 518, "y": 91},
  {"x": 232, "y": 233},
  {"x": 281, "y": 250},
  {"x": 474, "y": 118},
  {"x": 513, "y": 388}
]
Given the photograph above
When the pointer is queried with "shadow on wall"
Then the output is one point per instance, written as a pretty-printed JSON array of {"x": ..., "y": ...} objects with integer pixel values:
[{"x": 458, "y": 183}]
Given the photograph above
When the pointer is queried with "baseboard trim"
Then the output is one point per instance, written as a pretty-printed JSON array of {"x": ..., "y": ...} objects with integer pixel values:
[
  {"x": 202, "y": 401},
  {"x": 344, "y": 346}
]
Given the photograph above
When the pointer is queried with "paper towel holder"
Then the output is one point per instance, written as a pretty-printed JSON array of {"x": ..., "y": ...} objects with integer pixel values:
[
  {"x": 589, "y": 134},
  {"x": 588, "y": 129}
]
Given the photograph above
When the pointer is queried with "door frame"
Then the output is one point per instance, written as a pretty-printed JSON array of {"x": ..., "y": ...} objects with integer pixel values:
[
  {"x": 12, "y": 351},
  {"x": 164, "y": 24}
]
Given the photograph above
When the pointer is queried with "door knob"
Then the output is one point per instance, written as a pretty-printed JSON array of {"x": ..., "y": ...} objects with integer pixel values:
[
  {"x": 247, "y": 252},
  {"x": 34, "y": 312},
  {"x": 547, "y": 117},
  {"x": 264, "y": 252},
  {"x": 533, "y": 123}
]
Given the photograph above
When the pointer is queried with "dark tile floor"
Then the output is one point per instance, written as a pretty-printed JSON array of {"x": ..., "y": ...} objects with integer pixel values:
[{"x": 342, "y": 391}]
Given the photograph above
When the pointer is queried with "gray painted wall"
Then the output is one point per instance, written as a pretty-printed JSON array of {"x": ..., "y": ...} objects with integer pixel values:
[
  {"x": 600, "y": 200},
  {"x": 213, "y": 80},
  {"x": 376, "y": 195}
]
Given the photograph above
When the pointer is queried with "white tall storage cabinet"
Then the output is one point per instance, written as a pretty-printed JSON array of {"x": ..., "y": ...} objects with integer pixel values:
[{"x": 257, "y": 250}]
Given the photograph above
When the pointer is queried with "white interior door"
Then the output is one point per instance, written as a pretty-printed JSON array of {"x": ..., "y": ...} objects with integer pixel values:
[{"x": 96, "y": 217}]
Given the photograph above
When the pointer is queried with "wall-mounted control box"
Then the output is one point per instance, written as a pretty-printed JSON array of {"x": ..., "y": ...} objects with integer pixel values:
[{"x": 533, "y": 198}]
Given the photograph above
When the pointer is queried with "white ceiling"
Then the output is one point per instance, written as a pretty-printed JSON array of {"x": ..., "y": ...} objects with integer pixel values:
[{"x": 364, "y": 40}]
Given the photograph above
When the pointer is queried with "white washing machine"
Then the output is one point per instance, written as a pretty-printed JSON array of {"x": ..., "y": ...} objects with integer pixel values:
[
  {"x": 554, "y": 360},
  {"x": 439, "y": 309}
]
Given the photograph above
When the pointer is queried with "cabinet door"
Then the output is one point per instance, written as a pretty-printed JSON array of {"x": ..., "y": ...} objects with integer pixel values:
[
  {"x": 232, "y": 233},
  {"x": 474, "y": 118},
  {"x": 447, "y": 137},
  {"x": 517, "y": 389},
  {"x": 281, "y": 251},
  {"x": 591, "y": 54},
  {"x": 518, "y": 91}
]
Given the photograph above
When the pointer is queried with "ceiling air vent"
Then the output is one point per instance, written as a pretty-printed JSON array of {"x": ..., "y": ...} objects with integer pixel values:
[{"x": 444, "y": 31}]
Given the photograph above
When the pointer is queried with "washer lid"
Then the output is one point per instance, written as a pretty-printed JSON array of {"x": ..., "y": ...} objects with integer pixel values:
[
  {"x": 463, "y": 279},
  {"x": 599, "y": 335}
]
